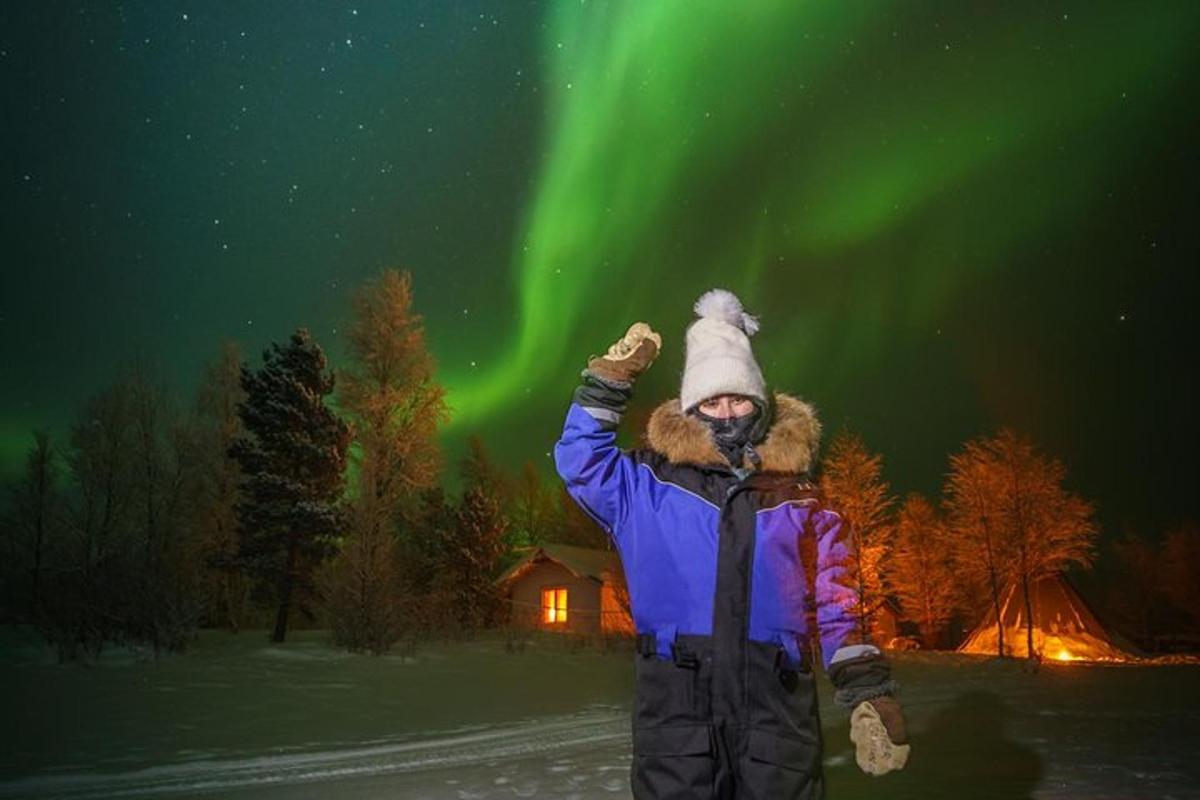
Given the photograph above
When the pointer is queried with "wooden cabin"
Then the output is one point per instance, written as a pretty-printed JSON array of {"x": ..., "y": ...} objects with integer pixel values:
[
  {"x": 558, "y": 587},
  {"x": 885, "y": 622}
]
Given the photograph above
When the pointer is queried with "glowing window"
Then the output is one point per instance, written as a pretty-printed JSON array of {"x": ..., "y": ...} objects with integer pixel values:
[{"x": 554, "y": 605}]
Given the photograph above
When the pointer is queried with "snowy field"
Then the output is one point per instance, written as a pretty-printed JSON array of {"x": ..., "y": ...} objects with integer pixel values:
[{"x": 238, "y": 717}]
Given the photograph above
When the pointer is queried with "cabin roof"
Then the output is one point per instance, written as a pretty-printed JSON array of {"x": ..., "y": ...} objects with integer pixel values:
[{"x": 583, "y": 562}]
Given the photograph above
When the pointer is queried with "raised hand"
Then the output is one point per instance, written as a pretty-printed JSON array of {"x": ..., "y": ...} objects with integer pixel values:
[{"x": 629, "y": 356}]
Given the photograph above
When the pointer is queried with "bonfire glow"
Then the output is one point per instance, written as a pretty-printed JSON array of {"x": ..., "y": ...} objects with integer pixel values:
[{"x": 1063, "y": 655}]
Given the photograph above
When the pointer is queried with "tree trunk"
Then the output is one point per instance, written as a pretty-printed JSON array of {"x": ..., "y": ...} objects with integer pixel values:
[
  {"x": 863, "y": 630},
  {"x": 996, "y": 606},
  {"x": 285, "y": 592},
  {"x": 34, "y": 599},
  {"x": 42, "y": 491},
  {"x": 1028, "y": 616},
  {"x": 991, "y": 565},
  {"x": 927, "y": 628}
]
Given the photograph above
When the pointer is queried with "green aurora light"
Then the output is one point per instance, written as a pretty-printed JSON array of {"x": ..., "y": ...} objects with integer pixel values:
[{"x": 764, "y": 136}]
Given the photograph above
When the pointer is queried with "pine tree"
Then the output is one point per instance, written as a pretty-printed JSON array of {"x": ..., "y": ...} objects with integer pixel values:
[
  {"x": 530, "y": 510},
  {"x": 477, "y": 468},
  {"x": 473, "y": 556},
  {"x": 853, "y": 485},
  {"x": 921, "y": 571},
  {"x": 428, "y": 522},
  {"x": 293, "y": 462},
  {"x": 473, "y": 543}
]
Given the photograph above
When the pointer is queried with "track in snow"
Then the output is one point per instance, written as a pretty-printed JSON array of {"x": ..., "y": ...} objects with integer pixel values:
[{"x": 524, "y": 739}]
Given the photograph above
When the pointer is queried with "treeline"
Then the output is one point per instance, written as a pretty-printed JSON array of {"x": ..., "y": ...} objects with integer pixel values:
[
  {"x": 1004, "y": 517},
  {"x": 282, "y": 490},
  {"x": 286, "y": 492}
]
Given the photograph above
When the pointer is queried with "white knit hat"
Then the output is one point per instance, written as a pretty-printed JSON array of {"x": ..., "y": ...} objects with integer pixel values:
[{"x": 719, "y": 359}]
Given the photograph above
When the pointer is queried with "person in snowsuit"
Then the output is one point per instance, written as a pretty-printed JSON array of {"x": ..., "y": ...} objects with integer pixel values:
[{"x": 709, "y": 520}]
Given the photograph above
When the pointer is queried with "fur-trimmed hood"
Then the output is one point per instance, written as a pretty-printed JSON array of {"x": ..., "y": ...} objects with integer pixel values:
[{"x": 790, "y": 444}]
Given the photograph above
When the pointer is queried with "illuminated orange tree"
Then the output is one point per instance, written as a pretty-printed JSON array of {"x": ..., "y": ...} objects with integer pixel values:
[
  {"x": 1011, "y": 505},
  {"x": 853, "y": 485},
  {"x": 981, "y": 546},
  {"x": 921, "y": 569},
  {"x": 391, "y": 395}
]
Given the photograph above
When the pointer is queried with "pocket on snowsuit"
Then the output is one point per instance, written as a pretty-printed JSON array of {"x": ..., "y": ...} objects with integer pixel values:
[
  {"x": 782, "y": 693},
  {"x": 667, "y": 693},
  {"x": 674, "y": 752},
  {"x": 777, "y": 766},
  {"x": 673, "y": 762},
  {"x": 783, "y": 743}
]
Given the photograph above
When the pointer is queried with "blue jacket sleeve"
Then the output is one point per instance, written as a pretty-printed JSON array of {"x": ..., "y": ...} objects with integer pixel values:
[
  {"x": 836, "y": 597},
  {"x": 856, "y": 667},
  {"x": 598, "y": 475}
]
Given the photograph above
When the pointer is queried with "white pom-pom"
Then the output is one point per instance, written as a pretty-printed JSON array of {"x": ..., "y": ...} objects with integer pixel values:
[{"x": 724, "y": 305}]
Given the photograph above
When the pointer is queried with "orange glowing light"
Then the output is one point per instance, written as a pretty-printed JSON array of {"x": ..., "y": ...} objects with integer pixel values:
[
  {"x": 554, "y": 606},
  {"x": 1063, "y": 655}
]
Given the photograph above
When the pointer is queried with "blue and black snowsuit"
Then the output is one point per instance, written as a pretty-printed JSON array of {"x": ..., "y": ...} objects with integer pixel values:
[{"x": 725, "y": 704}]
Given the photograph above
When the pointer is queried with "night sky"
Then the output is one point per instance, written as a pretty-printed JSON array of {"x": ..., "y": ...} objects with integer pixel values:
[{"x": 946, "y": 218}]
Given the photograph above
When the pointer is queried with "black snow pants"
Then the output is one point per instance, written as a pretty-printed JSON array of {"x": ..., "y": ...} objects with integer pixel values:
[{"x": 739, "y": 724}]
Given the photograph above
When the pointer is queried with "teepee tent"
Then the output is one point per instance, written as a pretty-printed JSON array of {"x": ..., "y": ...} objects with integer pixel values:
[{"x": 1064, "y": 628}]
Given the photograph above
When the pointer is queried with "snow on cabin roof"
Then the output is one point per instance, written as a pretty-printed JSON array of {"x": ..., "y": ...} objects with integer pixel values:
[{"x": 583, "y": 562}]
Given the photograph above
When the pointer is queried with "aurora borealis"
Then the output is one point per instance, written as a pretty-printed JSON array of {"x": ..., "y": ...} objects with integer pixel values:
[{"x": 946, "y": 217}]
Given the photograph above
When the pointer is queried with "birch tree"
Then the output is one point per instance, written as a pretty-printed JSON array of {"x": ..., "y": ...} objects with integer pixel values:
[
  {"x": 852, "y": 483},
  {"x": 390, "y": 393}
]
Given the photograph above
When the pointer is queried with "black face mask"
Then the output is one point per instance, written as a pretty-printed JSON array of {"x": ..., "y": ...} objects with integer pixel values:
[{"x": 732, "y": 434}]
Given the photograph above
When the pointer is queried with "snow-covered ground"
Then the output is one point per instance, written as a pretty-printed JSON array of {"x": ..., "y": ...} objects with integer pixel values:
[{"x": 239, "y": 717}]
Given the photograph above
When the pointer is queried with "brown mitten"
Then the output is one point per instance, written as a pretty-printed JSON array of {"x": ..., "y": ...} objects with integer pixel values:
[
  {"x": 629, "y": 356},
  {"x": 877, "y": 730}
]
